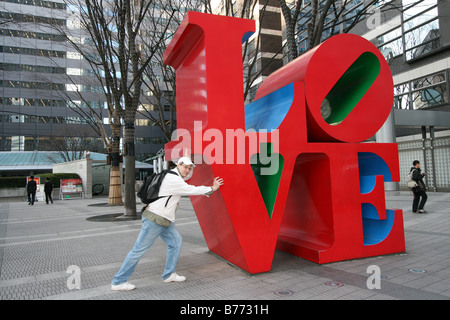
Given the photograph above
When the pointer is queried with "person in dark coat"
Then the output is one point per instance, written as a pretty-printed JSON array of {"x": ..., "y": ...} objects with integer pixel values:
[
  {"x": 420, "y": 196},
  {"x": 48, "y": 189},
  {"x": 31, "y": 190}
]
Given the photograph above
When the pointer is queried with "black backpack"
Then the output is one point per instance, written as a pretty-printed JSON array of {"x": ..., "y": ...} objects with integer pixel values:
[{"x": 150, "y": 188}]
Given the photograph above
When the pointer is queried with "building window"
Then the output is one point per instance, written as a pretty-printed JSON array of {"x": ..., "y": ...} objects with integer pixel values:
[
  {"x": 146, "y": 107},
  {"x": 402, "y": 98},
  {"x": 419, "y": 33},
  {"x": 420, "y": 27},
  {"x": 29, "y": 102},
  {"x": 143, "y": 122},
  {"x": 422, "y": 93},
  {"x": 429, "y": 91},
  {"x": 33, "y": 52},
  {"x": 19, "y": 17},
  {"x": 391, "y": 42},
  {"x": 31, "y": 85},
  {"x": 32, "y": 35},
  {"x": 40, "y": 3},
  {"x": 149, "y": 140},
  {"x": 31, "y": 68}
]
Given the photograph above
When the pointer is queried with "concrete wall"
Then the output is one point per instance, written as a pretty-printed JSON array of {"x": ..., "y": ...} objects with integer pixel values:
[
  {"x": 20, "y": 195},
  {"x": 83, "y": 168},
  {"x": 100, "y": 175}
]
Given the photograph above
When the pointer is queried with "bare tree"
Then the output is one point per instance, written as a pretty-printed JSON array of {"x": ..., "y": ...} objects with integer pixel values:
[
  {"x": 117, "y": 59},
  {"x": 73, "y": 145},
  {"x": 158, "y": 103},
  {"x": 94, "y": 56}
]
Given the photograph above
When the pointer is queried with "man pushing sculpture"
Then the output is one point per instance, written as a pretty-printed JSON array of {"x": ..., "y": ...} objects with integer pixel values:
[{"x": 158, "y": 221}]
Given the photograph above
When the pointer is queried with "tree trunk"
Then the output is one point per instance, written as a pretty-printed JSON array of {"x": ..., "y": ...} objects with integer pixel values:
[
  {"x": 130, "y": 166},
  {"x": 290, "y": 31},
  {"x": 115, "y": 184},
  {"x": 315, "y": 37}
]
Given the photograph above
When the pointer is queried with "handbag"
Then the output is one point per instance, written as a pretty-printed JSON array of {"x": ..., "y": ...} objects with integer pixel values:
[
  {"x": 156, "y": 218},
  {"x": 410, "y": 182}
]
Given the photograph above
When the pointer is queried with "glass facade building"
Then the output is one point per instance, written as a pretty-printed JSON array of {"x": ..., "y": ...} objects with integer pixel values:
[
  {"x": 44, "y": 80},
  {"x": 414, "y": 36}
]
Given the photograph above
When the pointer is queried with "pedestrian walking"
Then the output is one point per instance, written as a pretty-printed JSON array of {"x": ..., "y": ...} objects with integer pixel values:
[
  {"x": 48, "y": 190},
  {"x": 158, "y": 221},
  {"x": 31, "y": 190},
  {"x": 420, "y": 195}
]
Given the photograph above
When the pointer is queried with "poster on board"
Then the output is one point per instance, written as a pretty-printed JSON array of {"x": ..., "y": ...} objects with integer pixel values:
[{"x": 71, "y": 186}]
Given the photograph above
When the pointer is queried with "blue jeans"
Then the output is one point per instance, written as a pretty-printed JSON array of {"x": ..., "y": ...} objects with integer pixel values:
[{"x": 149, "y": 233}]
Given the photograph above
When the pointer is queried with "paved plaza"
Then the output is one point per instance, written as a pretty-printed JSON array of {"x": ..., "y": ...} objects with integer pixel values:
[{"x": 70, "y": 250}]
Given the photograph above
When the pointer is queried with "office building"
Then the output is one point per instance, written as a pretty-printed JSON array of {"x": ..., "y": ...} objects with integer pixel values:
[
  {"x": 263, "y": 52},
  {"x": 47, "y": 88}
]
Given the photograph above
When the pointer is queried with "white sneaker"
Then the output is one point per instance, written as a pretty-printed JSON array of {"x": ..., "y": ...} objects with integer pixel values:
[
  {"x": 175, "y": 277},
  {"x": 123, "y": 287}
]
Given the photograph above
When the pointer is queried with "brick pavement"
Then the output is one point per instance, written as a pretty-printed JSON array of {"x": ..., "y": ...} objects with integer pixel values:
[{"x": 38, "y": 244}]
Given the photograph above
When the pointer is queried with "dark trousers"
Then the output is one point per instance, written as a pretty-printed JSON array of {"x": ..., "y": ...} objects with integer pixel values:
[
  {"x": 48, "y": 196},
  {"x": 418, "y": 204},
  {"x": 31, "y": 197}
]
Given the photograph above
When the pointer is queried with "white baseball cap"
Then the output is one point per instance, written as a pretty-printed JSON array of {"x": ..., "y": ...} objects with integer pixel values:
[{"x": 186, "y": 161}]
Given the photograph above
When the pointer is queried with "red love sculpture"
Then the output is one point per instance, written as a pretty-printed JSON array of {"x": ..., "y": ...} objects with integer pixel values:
[{"x": 297, "y": 176}]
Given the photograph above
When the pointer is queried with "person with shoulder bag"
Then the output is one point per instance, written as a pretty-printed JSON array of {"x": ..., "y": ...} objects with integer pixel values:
[
  {"x": 419, "y": 191},
  {"x": 158, "y": 221}
]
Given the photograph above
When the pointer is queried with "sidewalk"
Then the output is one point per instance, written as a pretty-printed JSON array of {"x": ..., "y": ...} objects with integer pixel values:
[{"x": 39, "y": 243}]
